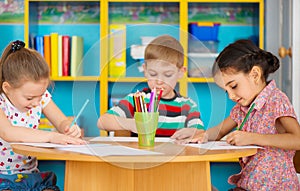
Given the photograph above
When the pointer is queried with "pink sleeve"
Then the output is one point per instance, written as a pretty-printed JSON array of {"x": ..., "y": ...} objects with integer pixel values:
[{"x": 235, "y": 114}]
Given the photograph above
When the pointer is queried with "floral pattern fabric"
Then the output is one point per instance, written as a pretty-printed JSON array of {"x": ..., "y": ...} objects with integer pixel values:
[
  {"x": 11, "y": 162},
  {"x": 270, "y": 168}
]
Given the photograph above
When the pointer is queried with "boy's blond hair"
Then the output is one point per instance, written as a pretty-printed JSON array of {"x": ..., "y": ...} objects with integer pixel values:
[{"x": 165, "y": 48}]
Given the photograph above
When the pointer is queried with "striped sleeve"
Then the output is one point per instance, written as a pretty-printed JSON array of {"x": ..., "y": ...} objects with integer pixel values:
[
  {"x": 193, "y": 117},
  {"x": 124, "y": 108}
]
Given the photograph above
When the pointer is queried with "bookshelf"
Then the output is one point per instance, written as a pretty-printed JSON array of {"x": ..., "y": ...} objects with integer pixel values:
[{"x": 165, "y": 17}]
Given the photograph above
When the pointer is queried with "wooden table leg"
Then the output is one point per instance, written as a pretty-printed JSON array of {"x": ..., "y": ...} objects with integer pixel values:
[{"x": 173, "y": 176}]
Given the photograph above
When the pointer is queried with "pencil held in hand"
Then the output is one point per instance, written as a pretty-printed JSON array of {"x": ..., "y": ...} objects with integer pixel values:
[
  {"x": 247, "y": 116},
  {"x": 79, "y": 113}
]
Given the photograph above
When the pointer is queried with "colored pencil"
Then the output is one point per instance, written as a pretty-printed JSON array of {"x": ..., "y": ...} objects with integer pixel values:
[
  {"x": 79, "y": 113},
  {"x": 247, "y": 116},
  {"x": 158, "y": 99}
]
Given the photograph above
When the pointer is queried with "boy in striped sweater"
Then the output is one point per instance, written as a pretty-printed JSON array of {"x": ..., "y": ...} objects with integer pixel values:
[{"x": 162, "y": 69}]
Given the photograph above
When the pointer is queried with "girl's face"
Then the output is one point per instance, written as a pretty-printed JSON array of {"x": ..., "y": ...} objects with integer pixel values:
[
  {"x": 241, "y": 88},
  {"x": 163, "y": 75},
  {"x": 26, "y": 96}
]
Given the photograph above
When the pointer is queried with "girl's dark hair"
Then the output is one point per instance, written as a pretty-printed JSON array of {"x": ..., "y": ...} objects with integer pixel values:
[
  {"x": 242, "y": 55},
  {"x": 19, "y": 64}
]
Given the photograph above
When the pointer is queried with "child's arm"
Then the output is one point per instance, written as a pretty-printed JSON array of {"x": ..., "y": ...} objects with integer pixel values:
[
  {"x": 214, "y": 133},
  {"x": 21, "y": 134},
  {"x": 60, "y": 121},
  {"x": 222, "y": 129},
  {"x": 288, "y": 136},
  {"x": 111, "y": 122}
]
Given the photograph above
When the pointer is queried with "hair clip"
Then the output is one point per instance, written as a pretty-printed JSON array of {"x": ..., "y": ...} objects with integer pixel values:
[{"x": 17, "y": 45}]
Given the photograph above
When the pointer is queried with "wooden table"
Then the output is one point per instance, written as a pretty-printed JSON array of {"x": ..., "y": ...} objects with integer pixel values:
[{"x": 179, "y": 168}]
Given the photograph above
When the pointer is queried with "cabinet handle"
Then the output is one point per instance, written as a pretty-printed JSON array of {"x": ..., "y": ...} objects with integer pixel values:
[{"x": 283, "y": 52}]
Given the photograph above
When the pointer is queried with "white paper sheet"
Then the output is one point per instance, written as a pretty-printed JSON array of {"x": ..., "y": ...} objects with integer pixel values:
[
  {"x": 110, "y": 150},
  {"x": 95, "y": 149},
  {"x": 53, "y": 145},
  {"x": 220, "y": 145},
  {"x": 128, "y": 139}
]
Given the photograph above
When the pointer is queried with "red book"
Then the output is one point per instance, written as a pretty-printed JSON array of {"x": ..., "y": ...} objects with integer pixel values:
[{"x": 66, "y": 52}]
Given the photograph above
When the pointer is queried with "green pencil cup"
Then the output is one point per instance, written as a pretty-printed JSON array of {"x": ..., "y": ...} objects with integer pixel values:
[{"x": 146, "y": 125}]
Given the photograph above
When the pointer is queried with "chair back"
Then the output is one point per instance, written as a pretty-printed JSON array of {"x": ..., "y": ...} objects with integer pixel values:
[{"x": 297, "y": 161}]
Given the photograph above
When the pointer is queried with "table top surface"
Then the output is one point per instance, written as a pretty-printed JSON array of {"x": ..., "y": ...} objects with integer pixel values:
[{"x": 170, "y": 152}]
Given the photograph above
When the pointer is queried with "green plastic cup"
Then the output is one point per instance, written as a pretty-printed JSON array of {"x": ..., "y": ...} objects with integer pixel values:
[{"x": 146, "y": 125}]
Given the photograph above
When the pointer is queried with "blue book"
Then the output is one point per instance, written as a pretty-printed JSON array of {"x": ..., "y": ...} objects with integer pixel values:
[{"x": 39, "y": 44}]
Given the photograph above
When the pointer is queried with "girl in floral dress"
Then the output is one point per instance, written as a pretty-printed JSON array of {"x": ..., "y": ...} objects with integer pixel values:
[{"x": 242, "y": 70}]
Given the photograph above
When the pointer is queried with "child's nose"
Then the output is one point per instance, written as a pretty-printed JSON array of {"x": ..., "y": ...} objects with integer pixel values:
[
  {"x": 36, "y": 101},
  {"x": 231, "y": 95},
  {"x": 159, "y": 81}
]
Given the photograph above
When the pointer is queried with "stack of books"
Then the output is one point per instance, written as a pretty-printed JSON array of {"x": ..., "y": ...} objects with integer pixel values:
[{"x": 63, "y": 53}]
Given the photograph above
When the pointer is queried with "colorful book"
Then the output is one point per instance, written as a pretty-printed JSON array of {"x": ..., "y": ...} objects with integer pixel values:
[
  {"x": 54, "y": 54},
  {"x": 47, "y": 49},
  {"x": 76, "y": 56},
  {"x": 66, "y": 52},
  {"x": 39, "y": 44},
  {"x": 117, "y": 50},
  {"x": 31, "y": 41},
  {"x": 59, "y": 55}
]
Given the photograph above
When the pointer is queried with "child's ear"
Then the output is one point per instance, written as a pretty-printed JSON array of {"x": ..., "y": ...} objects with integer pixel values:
[
  {"x": 182, "y": 70},
  {"x": 5, "y": 87},
  {"x": 256, "y": 73},
  {"x": 144, "y": 69}
]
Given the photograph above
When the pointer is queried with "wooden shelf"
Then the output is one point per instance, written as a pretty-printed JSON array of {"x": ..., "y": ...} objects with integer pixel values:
[
  {"x": 200, "y": 80},
  {"x": 145, "y": 1},
  {"x": 127, "y": 79},
  {"x": 77, "y": 78}
]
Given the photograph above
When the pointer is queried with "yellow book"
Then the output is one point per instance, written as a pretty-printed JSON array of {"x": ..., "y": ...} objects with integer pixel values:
[
  {"x": 54, "y": 54},
  {"x": 117, "y": 50},
  {"x": 76, "y": 56}
]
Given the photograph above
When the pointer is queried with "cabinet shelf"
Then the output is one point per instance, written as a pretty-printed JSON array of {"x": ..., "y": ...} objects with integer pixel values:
[
  {"x": 78, "y": 78},
  {"x": 203, "y": 55},
  {"x": 127, "y": 79},
  {"x": 200, "y": 80},
  {"x": 224, "y": 1},
  {"x": 150, "y": 1},
  {"x": 63, "y": 0}
]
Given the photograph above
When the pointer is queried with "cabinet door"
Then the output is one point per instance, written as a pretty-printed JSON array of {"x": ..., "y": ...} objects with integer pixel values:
[
  {"x": 282, "y": 29},
  {"x": 296, "y": 57}
]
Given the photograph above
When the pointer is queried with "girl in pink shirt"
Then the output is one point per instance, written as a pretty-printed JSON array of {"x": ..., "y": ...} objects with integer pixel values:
[{"x": 242, "y": 70}]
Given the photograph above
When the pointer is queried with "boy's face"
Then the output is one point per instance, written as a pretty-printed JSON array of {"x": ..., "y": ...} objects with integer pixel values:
[{"x": 163, "y": 75}]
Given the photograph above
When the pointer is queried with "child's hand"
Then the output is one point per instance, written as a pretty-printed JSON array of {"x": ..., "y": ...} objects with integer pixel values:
[
  {"x": 187, "y": 135},
  {"x": 66, "y": 128},
  {"x": 73, "y": 131},
  {"x": 65, "y": 139},
  {"x": 240, "y": 138}
]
